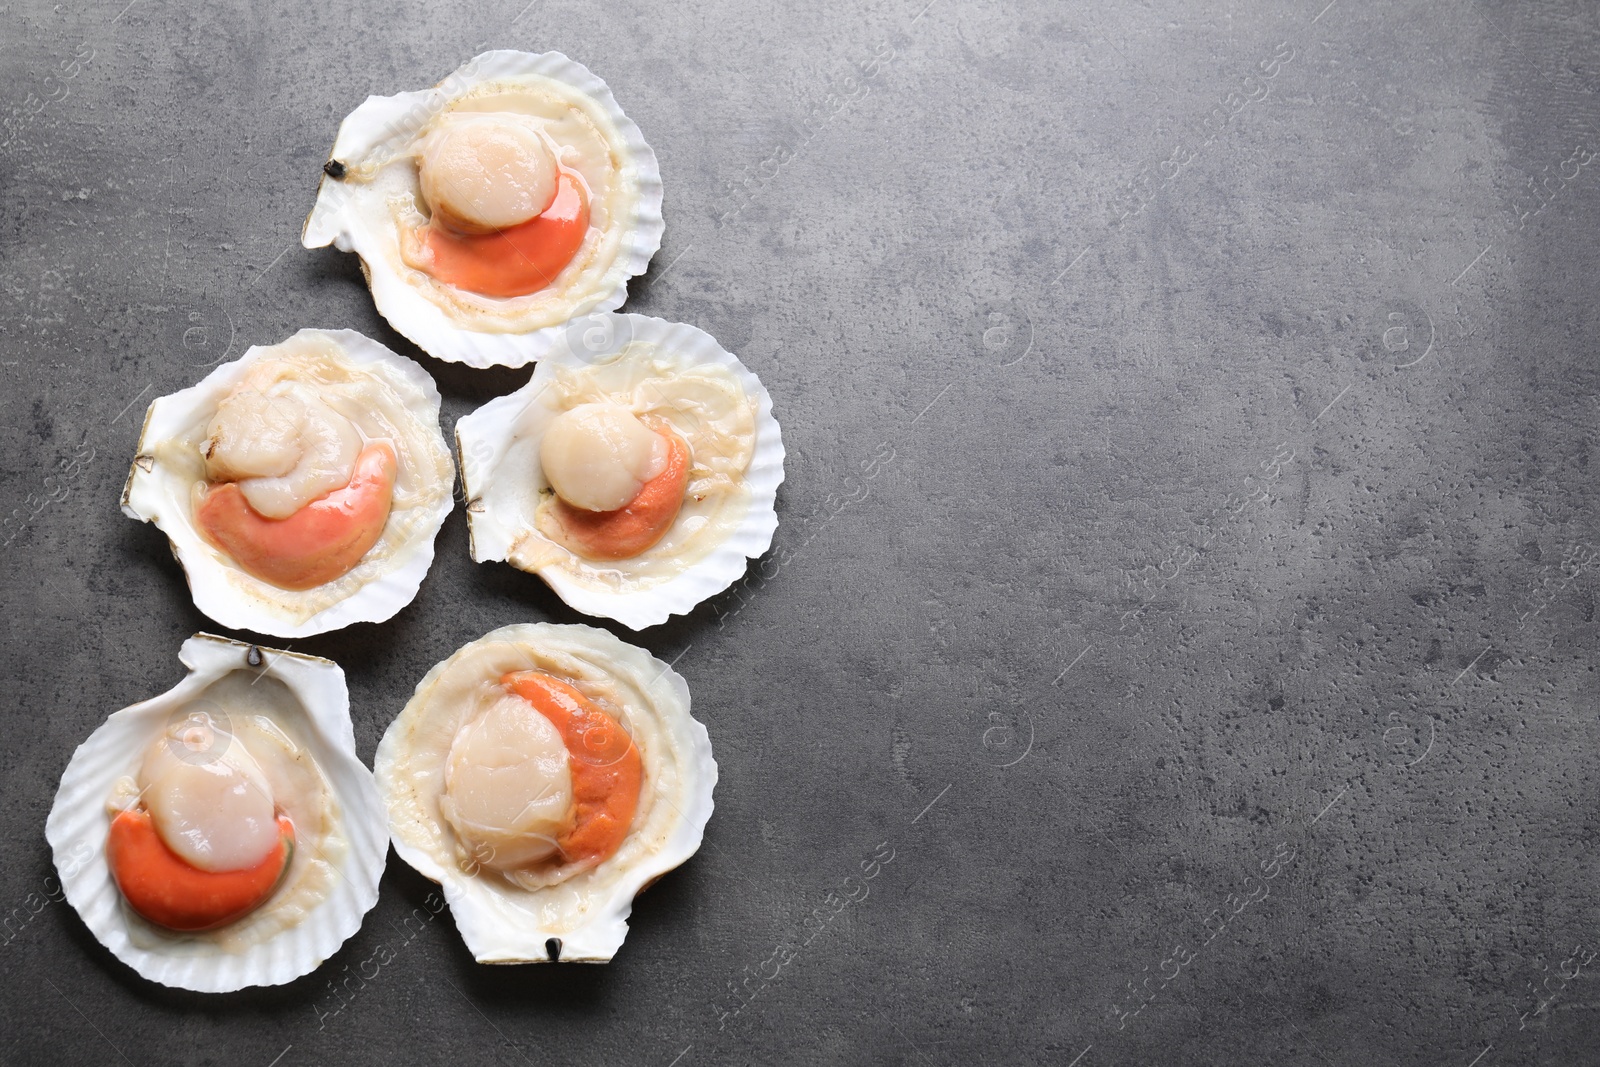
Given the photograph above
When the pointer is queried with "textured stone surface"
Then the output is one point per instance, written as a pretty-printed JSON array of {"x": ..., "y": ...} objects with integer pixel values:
[{"x": 1172, "y": 502}]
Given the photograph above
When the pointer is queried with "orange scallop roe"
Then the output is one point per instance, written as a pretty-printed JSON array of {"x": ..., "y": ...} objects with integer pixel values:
[
  {"x": 159, "y": 885},
  {"x": 638, "y": 524},
  {"x": 606, "y": 769},
  {"x": 320, "y": 542},
  {"x": 517, "y": 260}
]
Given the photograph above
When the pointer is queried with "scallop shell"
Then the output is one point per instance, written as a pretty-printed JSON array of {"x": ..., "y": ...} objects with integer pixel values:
[
  {"x": 484, "y": 436},
  {"x": 382, "y": 121},
  {"x": 79, "y": 823},
  {"x": 502, "y": 925},
  {"x": 213, "y": 580}
]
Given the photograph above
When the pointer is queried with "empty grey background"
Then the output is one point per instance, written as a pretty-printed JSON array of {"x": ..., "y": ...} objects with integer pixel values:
[{"x": 1171, "y": 502}]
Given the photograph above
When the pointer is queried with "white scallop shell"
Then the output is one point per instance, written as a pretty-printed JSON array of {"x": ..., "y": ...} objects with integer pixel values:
[
  {"x": 508, "y": 927},
  {"x": 384, "y": 120},
  {"x": 213, "y": 580},
  {"x": 484, "y": 436},
  {"x": 79, "y": 822}
]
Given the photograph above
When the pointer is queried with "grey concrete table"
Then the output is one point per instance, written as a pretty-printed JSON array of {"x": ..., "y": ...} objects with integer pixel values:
[{"x": 1185, "y": 600}]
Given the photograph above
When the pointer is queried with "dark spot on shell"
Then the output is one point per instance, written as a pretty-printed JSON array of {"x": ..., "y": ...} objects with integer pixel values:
[
  {"x": 552, "y": 948},
  {"x": 333, "y": 169},
  {"x": 253, "y": 657}
]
